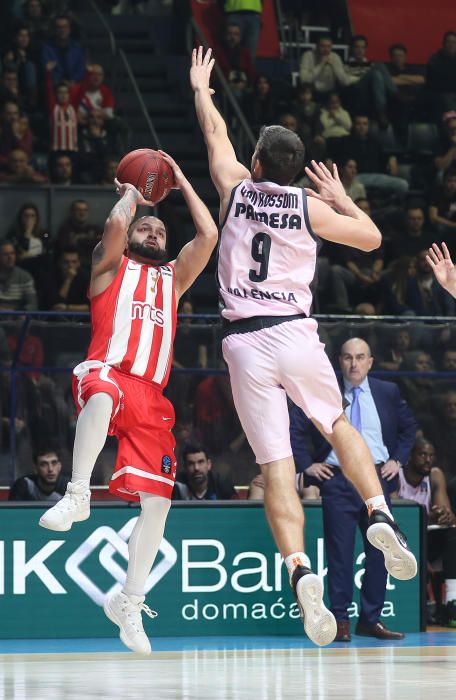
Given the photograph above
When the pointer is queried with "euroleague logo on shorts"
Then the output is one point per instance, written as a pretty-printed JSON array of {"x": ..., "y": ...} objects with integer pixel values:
[
  {"x": 166, "y": 464},
  {"x": 142, "y": 310}
]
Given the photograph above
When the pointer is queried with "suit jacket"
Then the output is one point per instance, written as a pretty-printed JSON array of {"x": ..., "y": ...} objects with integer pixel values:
[{"x": 396, "y": 419}]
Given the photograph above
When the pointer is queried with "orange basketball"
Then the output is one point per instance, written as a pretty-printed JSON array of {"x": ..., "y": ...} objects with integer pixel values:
[{"x": 148, "y": 172}]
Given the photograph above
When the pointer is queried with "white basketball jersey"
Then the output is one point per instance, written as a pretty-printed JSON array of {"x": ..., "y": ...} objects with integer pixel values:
[{"x": 268, "y": 252}]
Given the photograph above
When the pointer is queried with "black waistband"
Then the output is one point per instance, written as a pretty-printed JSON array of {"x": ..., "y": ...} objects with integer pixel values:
[{"x": 255, "y": 323}]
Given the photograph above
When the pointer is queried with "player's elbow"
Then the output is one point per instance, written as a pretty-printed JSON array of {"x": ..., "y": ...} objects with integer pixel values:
[
  {"x": 372, "y": 241},
  {"x": 210, "y": 233}
]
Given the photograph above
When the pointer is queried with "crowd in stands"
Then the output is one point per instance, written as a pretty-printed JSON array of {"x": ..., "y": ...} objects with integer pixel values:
[{"x": 57, "y": 114}]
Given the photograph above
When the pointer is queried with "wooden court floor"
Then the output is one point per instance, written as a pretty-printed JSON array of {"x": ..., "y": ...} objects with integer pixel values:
[{"x": 423, "y": 668}]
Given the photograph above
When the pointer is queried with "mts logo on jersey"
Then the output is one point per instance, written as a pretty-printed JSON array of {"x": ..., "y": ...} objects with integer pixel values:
[{"x": 142, "y": 310}]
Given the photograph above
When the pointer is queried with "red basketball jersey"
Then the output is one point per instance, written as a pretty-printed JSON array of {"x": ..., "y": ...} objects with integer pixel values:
[{"x": 134, "y": 321}]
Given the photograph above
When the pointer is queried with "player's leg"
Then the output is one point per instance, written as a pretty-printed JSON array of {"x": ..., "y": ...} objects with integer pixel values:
[
  {"x": 125, "y": 607},
  {"x": 97, "y": 398},
  {"x": 383, "y": 533},
  {"x": 262, "y": 408},
  {"x": 310, "y": 381}
]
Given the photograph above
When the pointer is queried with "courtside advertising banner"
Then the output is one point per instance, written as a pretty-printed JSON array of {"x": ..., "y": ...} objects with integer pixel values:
[{"x": 217, "y": 573}]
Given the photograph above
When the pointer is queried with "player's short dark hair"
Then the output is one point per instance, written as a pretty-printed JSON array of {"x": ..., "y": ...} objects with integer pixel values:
[
  {"x": 45, "y": 450},
  {"x": 281, "y": 153},
  {"x": 326, "y": 36},
  {"x": 191, "y": 448}
]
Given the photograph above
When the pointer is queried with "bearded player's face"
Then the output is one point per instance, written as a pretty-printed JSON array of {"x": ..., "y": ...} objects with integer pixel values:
[{"x": 148, "y": 239}]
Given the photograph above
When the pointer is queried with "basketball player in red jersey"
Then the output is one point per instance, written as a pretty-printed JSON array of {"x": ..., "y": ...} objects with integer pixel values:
[
  {"x": 269, "y": 240},
  {"x": 118, "y": 389}
]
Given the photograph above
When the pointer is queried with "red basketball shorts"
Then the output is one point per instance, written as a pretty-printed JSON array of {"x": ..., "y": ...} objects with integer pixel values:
[{"x": 141, "y": 419}]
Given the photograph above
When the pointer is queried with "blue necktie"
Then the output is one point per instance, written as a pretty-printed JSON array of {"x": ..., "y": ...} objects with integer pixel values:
[{"x": 355, "y": 413}]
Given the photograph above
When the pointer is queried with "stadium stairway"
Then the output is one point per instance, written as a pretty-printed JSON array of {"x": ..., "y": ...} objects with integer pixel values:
[{"x": 162, "y": 78}]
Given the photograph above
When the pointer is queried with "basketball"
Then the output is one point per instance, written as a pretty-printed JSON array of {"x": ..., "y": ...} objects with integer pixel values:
[{"x": 148, "y": 172}]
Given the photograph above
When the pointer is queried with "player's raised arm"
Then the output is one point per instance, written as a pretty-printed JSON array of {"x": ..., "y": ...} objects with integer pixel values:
[
  {"x": 226, "y": 171},
  {"x": 334, "y": 216},
  {"x": 195, "y": 255},
  {"x": 443, "y": 267},
  {"x": 107, "y": 254}
]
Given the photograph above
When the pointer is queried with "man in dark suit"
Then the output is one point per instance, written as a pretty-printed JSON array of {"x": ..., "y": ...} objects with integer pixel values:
[{"x": 377, "y": 410}]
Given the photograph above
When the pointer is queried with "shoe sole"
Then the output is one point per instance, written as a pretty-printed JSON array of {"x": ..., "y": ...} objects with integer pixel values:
[
  {"x": 56, "y": 528},
  {"x": 123, "y": 638},
  {"x": 319, "y": 622},
  {"x": 399, "y": 562}
]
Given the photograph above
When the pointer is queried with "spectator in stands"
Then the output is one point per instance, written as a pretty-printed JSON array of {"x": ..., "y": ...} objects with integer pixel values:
[
  {"x": 20, "y": 57},
  {"x": 9, "y": 88},
  {"x": 246, "y": 14},
  {"x": 441, "y": 76},
  {"x": 190, "y": 344},
  {"x": 366, "y": 150},
  {"x": 14, "y": 131},
  {"x": 183, "y": 430},
  {"x": 109, "y": 171},
  {"x": 63, "y": 121},
  {"x": 422, "y": 481},
  {"x": 323, "y": 68},
  {"x": 45, "y": 484},
  {"x": 439, "y": 426},
  {"x": 35, "y": 17},
  {"x": 335, "y": 120},
  {"x": 446, "y": 159},
  {"x": 378, "y": 411},
  {"x": 197, "y": 481},
  {"x": 368, "y": 84},
  {"x": 395, "y": 286},
  {"x": 449, "y": 360},
  {"x": 235, "y": 61},
  {"x": 418, "y": 391},
  {"x": 392, "y": 357},
  {"x": 67, "y": 53},
  {"x": 77, "y": 231},
  {"x": 442, "y": 210},
  {"x": 26, "y": 234},
  {"x": 412, "y": 236},
  {"x": 62, "y": 170},
  {"x": 361, "y": 274},
  {"x": 408, "y": 84},
  {"x": 18, "y": 170},
  {"x": 92, "y": 94},
  {"x": 425, "y": 296},
  {"x": 17, "y": 289},
  {"x": 259, "y": 105},
  {"x": 348, "y": 172},
  {"x": 217, "y": 426},
  {"x": 308, "y": 112},
  {"x": 94, "y": 144},
  {"x": 67, "y": 289}
]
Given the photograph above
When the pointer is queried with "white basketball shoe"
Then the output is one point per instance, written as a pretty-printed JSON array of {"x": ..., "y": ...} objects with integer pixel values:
[
  {"x": 125, "y": 611},
  {"x": 72, "y": 508},
  {"x": 319, "y": 622}
]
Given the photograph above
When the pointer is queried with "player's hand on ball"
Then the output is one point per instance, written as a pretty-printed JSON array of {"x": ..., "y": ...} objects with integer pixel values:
[
  {"x": 200, "y": 72},
  {"x": 329, "y": 187},
  {"x": 122, "y": 188},
  {"x": 179, "y": 177}
]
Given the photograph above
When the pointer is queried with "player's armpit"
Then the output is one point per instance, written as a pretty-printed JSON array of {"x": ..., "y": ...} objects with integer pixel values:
[{"x": 357, "y": 231}]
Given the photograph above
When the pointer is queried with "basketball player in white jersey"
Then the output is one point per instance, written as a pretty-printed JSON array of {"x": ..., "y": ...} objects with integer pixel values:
[
  {"x": 267, "y": 257},
  {"x": 118, "y": 388}
]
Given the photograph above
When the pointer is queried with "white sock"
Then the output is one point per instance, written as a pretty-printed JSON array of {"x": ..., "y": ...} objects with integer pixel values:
[
  {"x": 296, "y": 559},
  {"x": 144, "y": 542},
  {"x": 378, "y": 503},
  {"x": 91, "y": 431},
  {"x": 450, "y": 589}
]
